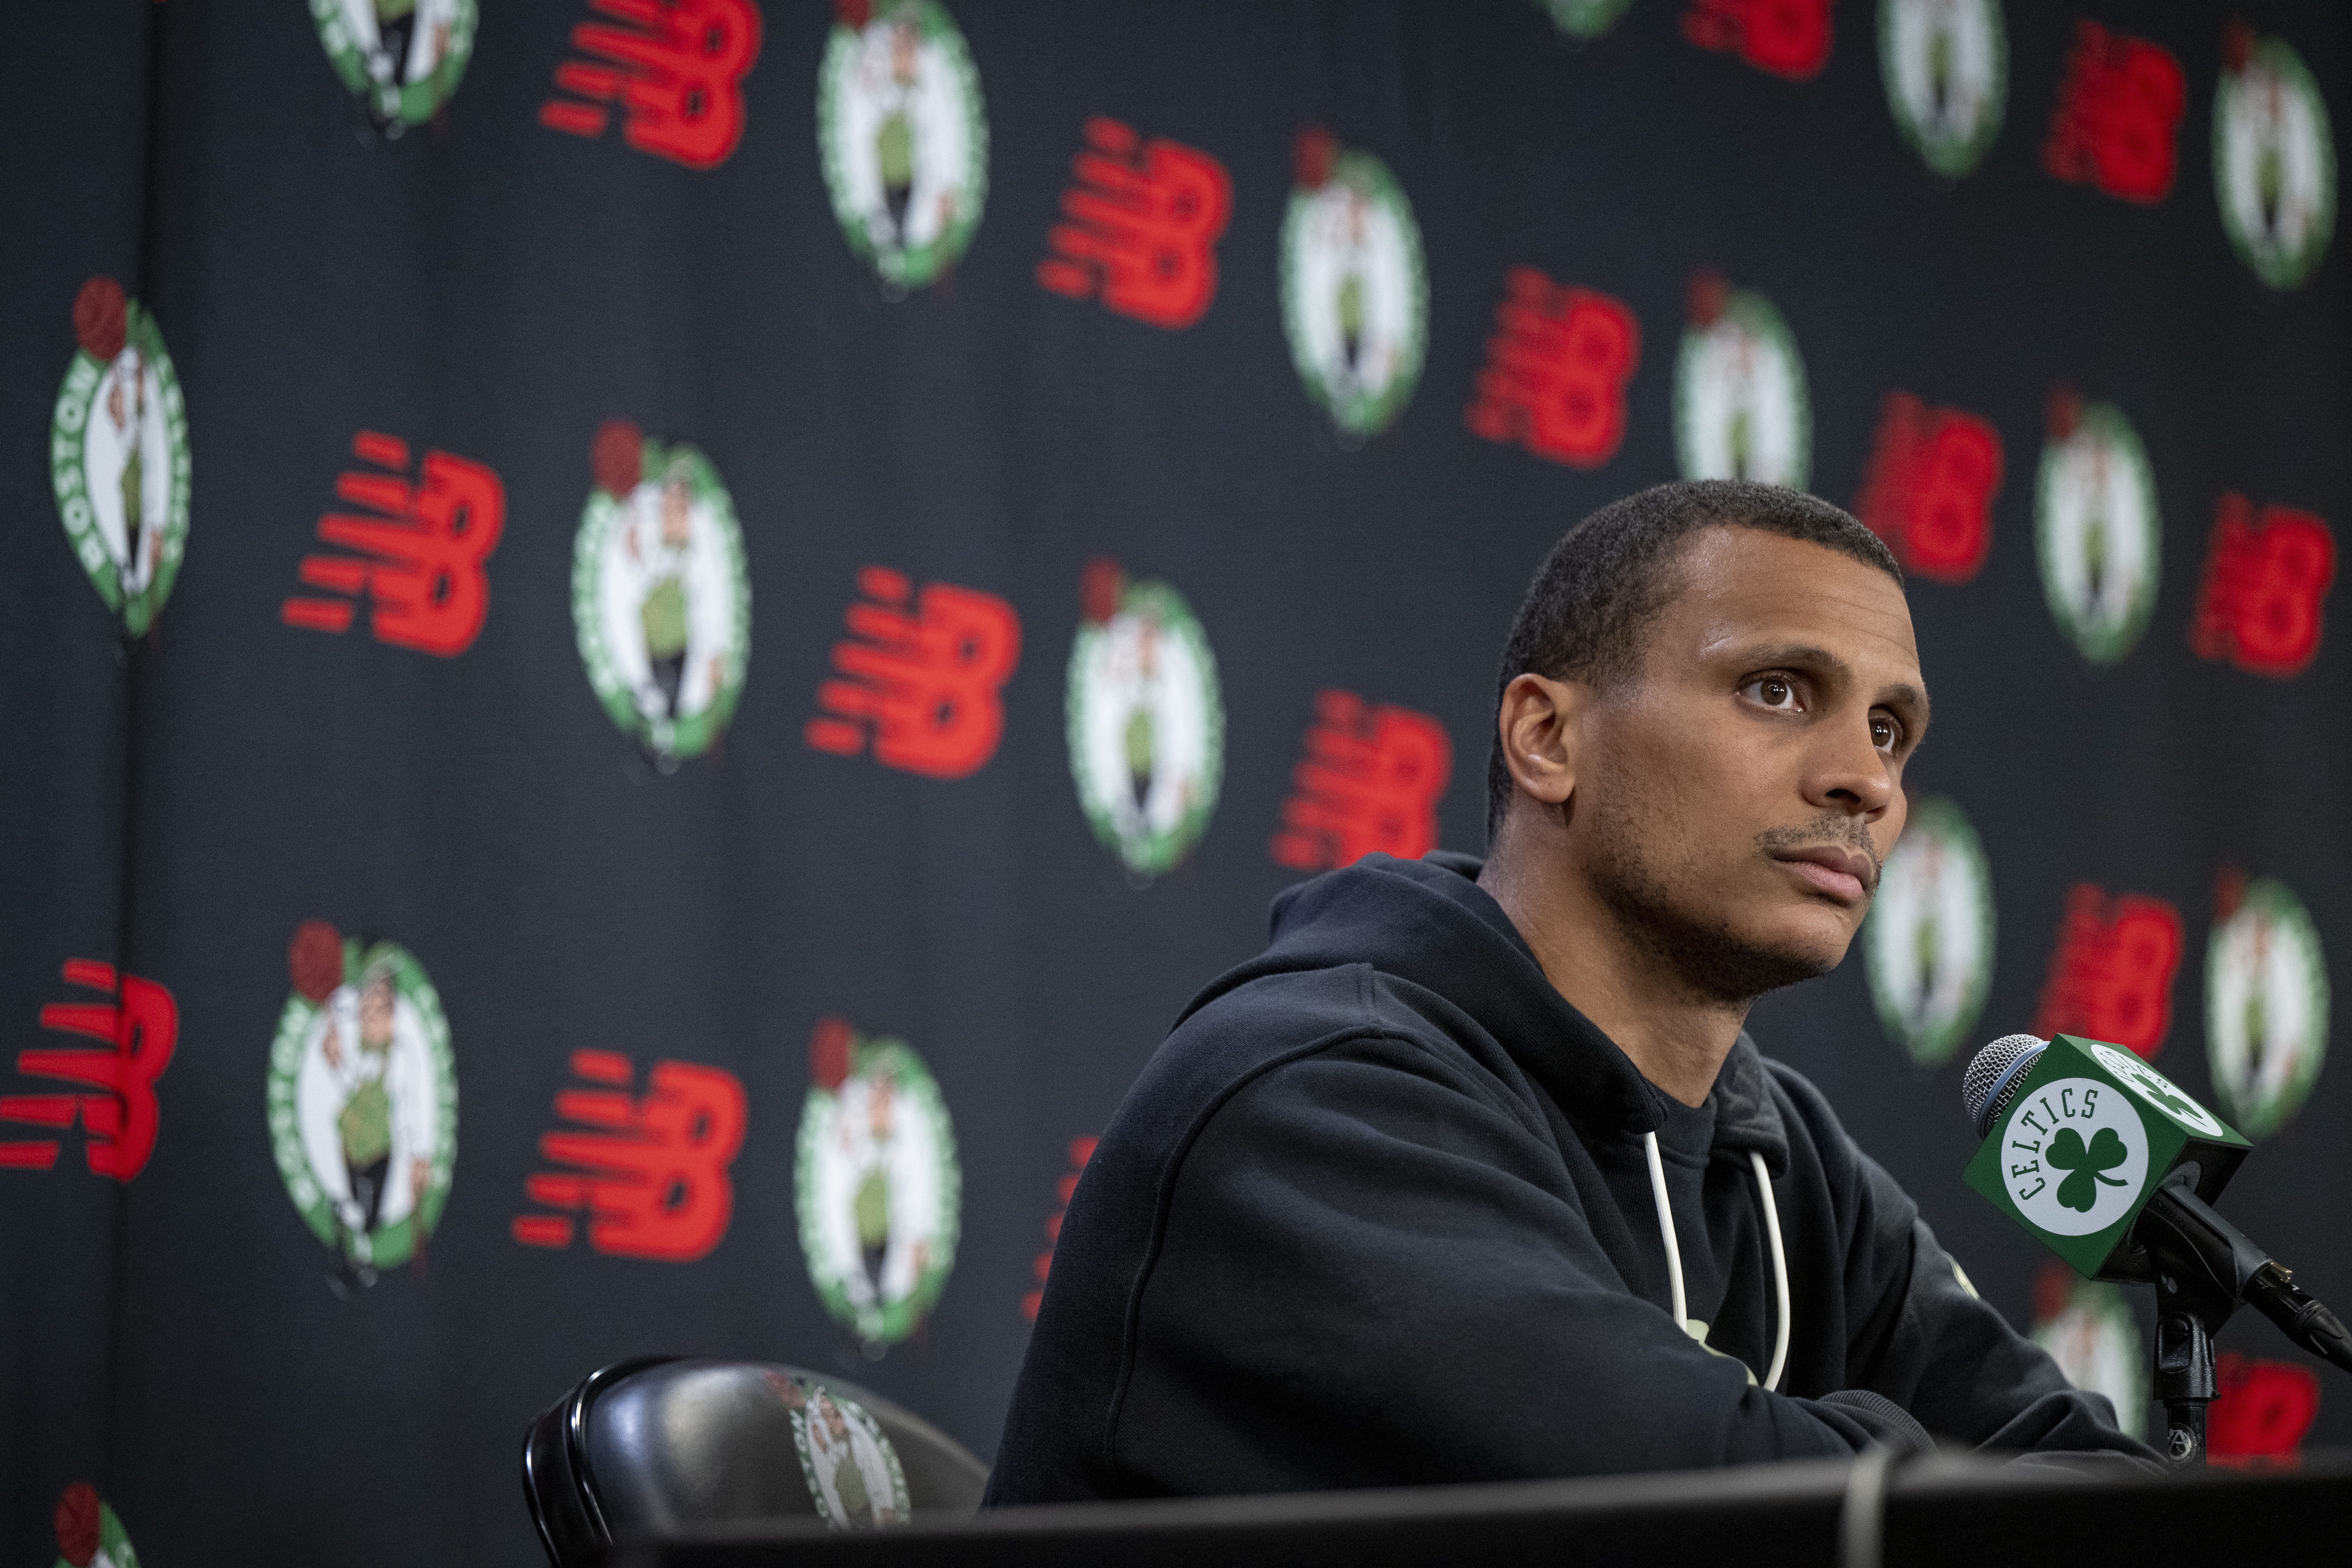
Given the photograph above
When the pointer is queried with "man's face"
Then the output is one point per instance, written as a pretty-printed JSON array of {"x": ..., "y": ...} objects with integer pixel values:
[
  {"x": 375, "y": 1012},
  {"x": 1734, "y": 802}
]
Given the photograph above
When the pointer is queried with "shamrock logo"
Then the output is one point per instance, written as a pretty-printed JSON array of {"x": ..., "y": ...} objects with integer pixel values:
[
  {"x": 2164, "y": 1094},
  {"x": 2081, "y": 1190}
]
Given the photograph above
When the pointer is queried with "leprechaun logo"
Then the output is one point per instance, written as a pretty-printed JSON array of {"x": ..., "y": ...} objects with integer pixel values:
[
  {"x": 401, "y": 57},
  {"x": 904, "y": 136},
  {"x": 852, "y": 1470},
  {"x": 88, "y": 1534},
  {"x": 363, "y": 1099},
  {"x": 1583, "y": 18},
  {"x": 1355, "y": 294},
  {"x": 1946, "y": 66},
  {"x": 1147, "y": 724},
  {"x": 1741, "y": 407},
  {"x": 661, "y": 595},
  {"x": 2096, "y": 531},
  {"x": 119, "y": 454},
  {"x": 876, "y": 1185},
  {"x": 2088, "y": 1328},
  {"x": 2265, "y": 1007},
  {"x": 2273, "y": 159},
  {"x": 1928, "y": 943}
]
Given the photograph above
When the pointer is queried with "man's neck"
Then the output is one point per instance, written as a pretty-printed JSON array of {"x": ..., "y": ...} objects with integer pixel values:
[{"x": 1677, "y": 1039}]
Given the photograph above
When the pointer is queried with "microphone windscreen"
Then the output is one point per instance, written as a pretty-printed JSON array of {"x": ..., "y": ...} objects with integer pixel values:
[{"x": 1994, "y": 1071}]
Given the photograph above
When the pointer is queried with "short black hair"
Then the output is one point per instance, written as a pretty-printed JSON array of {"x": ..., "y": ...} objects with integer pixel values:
[{"x": 1609, "y": 578}]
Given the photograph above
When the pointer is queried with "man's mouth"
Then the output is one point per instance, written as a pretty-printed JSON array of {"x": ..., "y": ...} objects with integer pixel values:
[{"x": 1848, "y": 875}]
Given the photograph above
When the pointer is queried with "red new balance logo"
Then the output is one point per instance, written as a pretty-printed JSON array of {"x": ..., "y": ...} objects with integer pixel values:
[
  {"x": 1788, "y": 38},
  {"x": 140, "y": 1027},
  {"x": 2118, "y": 116},
  {"x": 2111, "y": 976},
  {"x": 1556, "y": 371},
  {"x": 1371, "y": 782},
  {"x": 1929, "y": 488},
  {"x": 677, "y": 74},
  {"x": 424, "y": 549},
  {"x": 2266, "y": 575},
  {"x": 1144, "y": 222},
  {"x": 651, "y": 1176},
  {"x": 923, "y": 674},
  {"x": 1081, "y": 1151}
]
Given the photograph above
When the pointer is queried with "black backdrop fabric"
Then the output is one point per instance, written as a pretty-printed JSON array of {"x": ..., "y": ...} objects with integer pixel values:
[{"x": 767, "y": 959}]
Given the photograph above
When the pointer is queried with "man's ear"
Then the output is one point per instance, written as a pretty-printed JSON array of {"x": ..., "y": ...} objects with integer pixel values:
[{"x": 1539, "y": 724}]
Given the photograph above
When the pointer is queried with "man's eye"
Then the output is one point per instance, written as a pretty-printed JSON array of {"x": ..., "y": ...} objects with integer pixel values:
[
  {"x": 1884, "y": 734},
  {"x": 1773, "y": 691}
]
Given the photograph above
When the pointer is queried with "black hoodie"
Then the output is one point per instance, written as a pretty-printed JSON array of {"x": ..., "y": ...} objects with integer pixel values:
[{"x": 1380, "y": 1212}]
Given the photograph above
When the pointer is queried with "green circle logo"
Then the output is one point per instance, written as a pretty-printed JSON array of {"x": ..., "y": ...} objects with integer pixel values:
[
  {"x": 1741, "y": 407},
  {"x": 851, "y": 1468},
  {"x": 119, "y": 455},
  {"x": 1355, "y": 292},
  {"x": 1583, "y": 18},
  {"x": 875, "y": 1184},
  {"x": 362, "y": 1098},
  {"x": 2266, "y": 1007},
  {"x": 402, "y": 59},
  {"x": 904, "y": 136},
  {"x": 1946, "y": 67},
  {"x": 2096, "y": 533},
  {"x": 2089, "y": 1330},
  {"x": 1147, "y": 723},
  {"x": 661, "y": 595},
  {"x": 1928, "y": 943},
  {"x": 2274, "y": 162}
]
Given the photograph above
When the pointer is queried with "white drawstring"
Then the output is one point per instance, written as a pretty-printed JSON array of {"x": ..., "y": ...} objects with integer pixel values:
[{"x": 1674, "y": 1252}]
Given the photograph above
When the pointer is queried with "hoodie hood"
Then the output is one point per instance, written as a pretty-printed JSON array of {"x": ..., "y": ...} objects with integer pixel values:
[{"x": 1428, "y": 923}]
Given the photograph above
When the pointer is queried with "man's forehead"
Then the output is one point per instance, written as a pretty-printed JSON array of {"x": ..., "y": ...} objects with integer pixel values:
[{"x": 1741, "y": 585}]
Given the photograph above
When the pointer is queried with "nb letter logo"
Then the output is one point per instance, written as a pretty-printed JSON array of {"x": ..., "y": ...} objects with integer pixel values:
[{"x": 424, "y": 550}]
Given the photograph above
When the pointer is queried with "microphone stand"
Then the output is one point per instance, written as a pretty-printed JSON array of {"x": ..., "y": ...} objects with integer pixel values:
[{"x": 2204, "y": 1270}]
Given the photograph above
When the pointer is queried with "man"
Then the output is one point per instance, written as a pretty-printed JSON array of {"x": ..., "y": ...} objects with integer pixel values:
[{"x": 1473, "y": 1174}]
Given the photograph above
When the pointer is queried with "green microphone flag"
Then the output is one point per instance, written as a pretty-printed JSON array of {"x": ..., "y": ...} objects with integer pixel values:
[{"x": 2082, "y": 1141}]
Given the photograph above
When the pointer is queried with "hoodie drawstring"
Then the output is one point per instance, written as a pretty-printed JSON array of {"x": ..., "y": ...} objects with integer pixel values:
[{"x": 1674, "y": 1252}]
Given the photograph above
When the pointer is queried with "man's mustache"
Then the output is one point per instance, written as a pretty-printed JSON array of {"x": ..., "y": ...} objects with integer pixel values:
[{"x": 1831, "y": 827}]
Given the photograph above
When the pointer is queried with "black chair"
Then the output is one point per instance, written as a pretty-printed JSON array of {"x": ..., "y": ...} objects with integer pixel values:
[{"x": 646, "y": 1447}]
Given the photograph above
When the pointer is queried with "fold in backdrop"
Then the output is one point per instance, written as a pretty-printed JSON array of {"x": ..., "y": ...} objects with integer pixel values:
[{"x": 648, "y": 643}]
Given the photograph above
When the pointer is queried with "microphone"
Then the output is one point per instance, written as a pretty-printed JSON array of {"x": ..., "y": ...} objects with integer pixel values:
[{"x": 2113, "y": 1166}]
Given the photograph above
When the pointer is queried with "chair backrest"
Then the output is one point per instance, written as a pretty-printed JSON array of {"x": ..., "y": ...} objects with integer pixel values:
[{"x": 642, "y": 1448}]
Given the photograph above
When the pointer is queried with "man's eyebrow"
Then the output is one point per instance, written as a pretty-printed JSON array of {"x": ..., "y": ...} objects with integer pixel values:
[{"x": 1900, "y": 694}]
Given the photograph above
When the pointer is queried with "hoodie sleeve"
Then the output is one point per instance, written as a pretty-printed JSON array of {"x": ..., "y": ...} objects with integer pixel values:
[{"x": 1368, "y": 1270}]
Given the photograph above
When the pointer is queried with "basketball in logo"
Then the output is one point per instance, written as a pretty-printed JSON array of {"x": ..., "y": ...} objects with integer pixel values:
[
  {"x": 88, "y": 1534},
  {"x": 2088, "y": 1328},
  {"x": 1928, "y": 943},
  {"x": 1946, "y": 67},
  {"x": 1146, "y": 723},
  {"x": 1355, "y": 294},
  {"x": 1740, "y": 408},
  {"x": 2266, "y": 1007},
  {"x": 876, "y": 1185},
  {"x": 119, "y": 454},
  {"x": 661, "y": 595},
  {"x": 904, "y": 136},
  {"x": 401, "y": 57},
  {"x": 2096, "y": 533},
  {"x": 363, "y": 1099},
  {"x": 2273, "y": 160}
]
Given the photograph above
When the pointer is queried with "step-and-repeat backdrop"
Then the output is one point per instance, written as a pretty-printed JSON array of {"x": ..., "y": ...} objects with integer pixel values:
[{"x": 645, "y": 644}]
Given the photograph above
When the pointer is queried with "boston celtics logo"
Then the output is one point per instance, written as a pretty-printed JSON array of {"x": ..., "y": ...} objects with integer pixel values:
[
  {"x": 2095, "y": 528},
  {"x": 1147, "y": 724},
  {"x": 1946, "y": 66},
  {"x": 2273, "y": 160},
  {"x": 88, "y": 1534},
  {"x": 1929, "y": 939},
  {"x": 2266, "y": 1007},
  {"x": 2088, "y": 1328},
  {"x": 904, "y": 137},
  {"x": 1355, "y": 295},
  {"x": 661, "y": 595},
  {"x": 852, "y": 1472},
  {"x": 363, "y": 1099},
  {"x": 1740, "y": 408},
  {"x": 403, "y": 57},
  {"x": 119, "y": 454},
  {"x": 1583, "y": 18},
  {"x": 875, "y": 1184}
]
